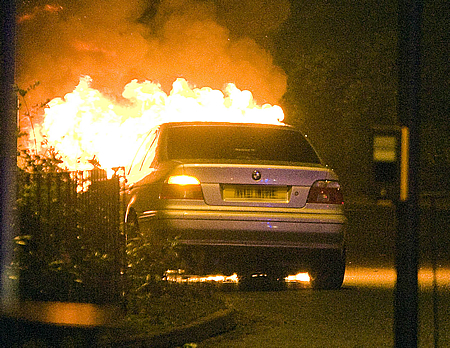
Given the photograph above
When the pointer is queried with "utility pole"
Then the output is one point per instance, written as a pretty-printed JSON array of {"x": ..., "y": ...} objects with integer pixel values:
[
  {"x": 406, "y": 291},
  {"x": 8, "y": 141}
]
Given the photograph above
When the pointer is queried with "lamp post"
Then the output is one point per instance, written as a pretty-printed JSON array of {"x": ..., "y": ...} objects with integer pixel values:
[
  {"x": 8, "y": 142},
  {"x": 406, "y": 290}
]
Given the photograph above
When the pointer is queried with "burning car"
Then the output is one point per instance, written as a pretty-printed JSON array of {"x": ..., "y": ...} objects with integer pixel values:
[{"x": 241, "y": 198}]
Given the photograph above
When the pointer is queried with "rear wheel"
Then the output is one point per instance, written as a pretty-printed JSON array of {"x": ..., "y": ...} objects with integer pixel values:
[
  {"x": 132, "y": 225},
  {"x": 329, "y": 274}
]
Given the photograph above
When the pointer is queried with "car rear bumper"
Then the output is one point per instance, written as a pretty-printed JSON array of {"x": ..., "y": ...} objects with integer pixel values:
[{"x": 248, "y": 229}]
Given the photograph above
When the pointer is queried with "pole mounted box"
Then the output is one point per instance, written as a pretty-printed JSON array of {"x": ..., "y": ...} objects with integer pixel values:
[
  {"x": 386, "y": 144},
  {"x": 390, "y": 146}
]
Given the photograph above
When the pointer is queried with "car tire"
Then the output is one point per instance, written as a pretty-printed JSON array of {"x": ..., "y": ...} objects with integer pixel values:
[
  {"x": 132, "y": 225},
  {"x": 329, "y": 274}
]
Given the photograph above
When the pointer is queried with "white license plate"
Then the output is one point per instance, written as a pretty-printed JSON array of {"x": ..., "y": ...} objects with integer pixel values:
[{"x": 255, "y": 193}]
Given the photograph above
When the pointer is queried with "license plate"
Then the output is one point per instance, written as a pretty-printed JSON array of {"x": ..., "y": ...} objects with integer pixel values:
[{"x": 255, "y": 193}]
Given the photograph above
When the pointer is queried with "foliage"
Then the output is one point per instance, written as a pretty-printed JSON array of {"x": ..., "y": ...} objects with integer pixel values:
[
  {"x": 64, "y": 256},
  {"x": 67, "y": 246},
  {"x": 44, "y": 272},
  {"x": 340, "y": 59},
  {"x": 28, "y": 112},
  {"x": 35, "y": 163},
  {"x": 177, "y": 303},
  {"x": 155, "y": 304},
  {"x": 337, "y": 97},
  {"x": 71, "y": 246},
  {"x": 147, "y": 263}
]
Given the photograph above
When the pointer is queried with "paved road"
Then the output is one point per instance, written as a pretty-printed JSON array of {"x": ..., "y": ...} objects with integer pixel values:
[
  {"x": 361, "y": 313},
  {"x": 358, "y": 315}
]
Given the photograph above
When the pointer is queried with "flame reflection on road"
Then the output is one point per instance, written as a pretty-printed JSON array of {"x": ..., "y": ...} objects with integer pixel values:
[
  {"x": 379, "y": 277},
  {"x": 181, "y": 278}
]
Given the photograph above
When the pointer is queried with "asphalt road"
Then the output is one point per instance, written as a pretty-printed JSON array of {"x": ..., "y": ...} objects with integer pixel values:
[
  {"x": 361, "y": 313},
  {"x": 358, "y": 315}
]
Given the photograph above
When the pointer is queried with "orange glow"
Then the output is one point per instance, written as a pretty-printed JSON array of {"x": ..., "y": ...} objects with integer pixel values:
[
  {"x": 39, "y": 10},
  {"x": 179, "y": 278},
  {"x": 90, "y": 47},
  {"x": 300, "y": 277},
  {"x": 379, "y": 277},
  {"x": 63, "y": 313},
  {"x": 87, "y": 125},
  {"x": 385, "y": 277},
  {"x": 183, "y": 180}
]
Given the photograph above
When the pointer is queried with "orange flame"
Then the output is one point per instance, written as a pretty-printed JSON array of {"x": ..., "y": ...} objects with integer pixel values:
[{"x": 86, "y": 124}]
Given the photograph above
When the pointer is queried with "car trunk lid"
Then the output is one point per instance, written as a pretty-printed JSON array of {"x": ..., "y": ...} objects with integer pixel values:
[{"x": 255, "y": 185}]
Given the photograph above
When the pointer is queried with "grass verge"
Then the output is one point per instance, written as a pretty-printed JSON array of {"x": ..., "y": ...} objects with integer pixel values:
[{"x": 166, "y": 306}]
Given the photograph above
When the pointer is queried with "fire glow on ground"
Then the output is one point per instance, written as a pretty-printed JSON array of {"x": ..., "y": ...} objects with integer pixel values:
[
  {"x": 179, "y": 277},
  {"x": 380, "y": 277}
]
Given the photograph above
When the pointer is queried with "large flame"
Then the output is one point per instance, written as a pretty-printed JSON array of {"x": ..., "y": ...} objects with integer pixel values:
[{"x": 86, "y": 124}]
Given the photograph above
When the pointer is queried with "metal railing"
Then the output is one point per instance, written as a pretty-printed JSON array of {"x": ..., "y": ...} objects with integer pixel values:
[{"x": 71, "y": 246}]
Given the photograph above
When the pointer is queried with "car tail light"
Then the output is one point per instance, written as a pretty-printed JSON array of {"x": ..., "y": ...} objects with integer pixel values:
[
  {"x": 181, "y": 187},
  {"x": 327, "y": 192}
]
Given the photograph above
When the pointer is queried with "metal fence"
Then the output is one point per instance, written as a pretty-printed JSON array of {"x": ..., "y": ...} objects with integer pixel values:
[{"x": 71, "y": 246}]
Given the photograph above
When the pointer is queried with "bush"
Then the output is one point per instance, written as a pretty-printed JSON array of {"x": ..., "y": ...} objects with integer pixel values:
[{"x": 69, "y": 246}]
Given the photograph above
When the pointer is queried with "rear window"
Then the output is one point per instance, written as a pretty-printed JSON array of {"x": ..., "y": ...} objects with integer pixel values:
[{"x": 241, "y": 143}]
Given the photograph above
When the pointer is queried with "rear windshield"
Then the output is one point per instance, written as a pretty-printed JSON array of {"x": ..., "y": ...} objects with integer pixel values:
[{"x": 245, "y": 143}]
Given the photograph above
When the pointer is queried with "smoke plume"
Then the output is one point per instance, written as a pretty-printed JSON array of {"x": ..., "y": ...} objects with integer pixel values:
[{"x": 116, "y": 41}]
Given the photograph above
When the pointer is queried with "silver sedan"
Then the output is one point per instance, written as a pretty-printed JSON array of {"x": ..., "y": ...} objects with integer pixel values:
[{"x": 240, "y": 198}]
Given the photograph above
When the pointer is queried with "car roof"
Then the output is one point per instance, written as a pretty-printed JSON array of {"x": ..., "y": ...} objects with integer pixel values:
[{"x": 229, "y": 124}]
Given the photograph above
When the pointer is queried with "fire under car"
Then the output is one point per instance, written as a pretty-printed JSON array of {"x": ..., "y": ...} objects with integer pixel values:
[{"x": 240, "y": 198}]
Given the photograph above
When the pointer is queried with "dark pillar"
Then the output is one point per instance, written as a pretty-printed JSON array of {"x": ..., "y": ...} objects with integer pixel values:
[
  {"x": 406, "y": 292},
  {"x": 8, "y": 139}
]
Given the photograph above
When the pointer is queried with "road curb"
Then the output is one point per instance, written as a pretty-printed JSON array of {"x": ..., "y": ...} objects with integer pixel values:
[{"x": 217, "y": 323}]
